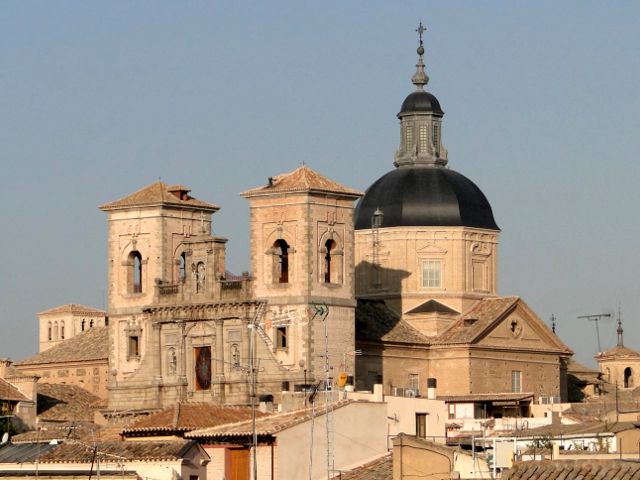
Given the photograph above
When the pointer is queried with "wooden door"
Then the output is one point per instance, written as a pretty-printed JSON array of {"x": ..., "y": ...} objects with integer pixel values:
[{"x": 236, "y": 464}]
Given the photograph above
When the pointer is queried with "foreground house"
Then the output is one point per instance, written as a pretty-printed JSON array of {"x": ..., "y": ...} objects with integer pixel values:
[
  {"x": 294, "y": 445},
  {"x": 74, "y": 459}
]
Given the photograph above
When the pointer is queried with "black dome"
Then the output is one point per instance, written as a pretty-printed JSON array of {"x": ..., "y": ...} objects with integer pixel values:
[
  {"x": 421, "y": 101},
  {"x": 425, "y": 196}
]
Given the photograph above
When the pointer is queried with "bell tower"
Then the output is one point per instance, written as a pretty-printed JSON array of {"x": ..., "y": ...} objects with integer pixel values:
[{"x": 302, "y": 261}]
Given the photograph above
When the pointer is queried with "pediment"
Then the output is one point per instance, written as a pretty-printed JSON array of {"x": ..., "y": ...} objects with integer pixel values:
[
  {"x": 520, "y": 327},
  {"x": 431, "y": 249},
  {"x": 432, "y": 306}
]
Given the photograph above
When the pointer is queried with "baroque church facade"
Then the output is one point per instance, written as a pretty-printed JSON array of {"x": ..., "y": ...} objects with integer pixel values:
[{"x": 400, "y": 289}]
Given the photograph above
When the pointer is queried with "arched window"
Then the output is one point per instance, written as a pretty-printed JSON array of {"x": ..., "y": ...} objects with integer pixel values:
[
  {"x": 49, "y": 332},
  {"x": 628, "y": 380},
  {"x": 135, "y": 272},
  {"x": 91, "y": 323},
  {"x": 55, "y": 331},
  {"x": 82, "y": 325},
  {"x": 200, "y": 277},
  {"x": 182, "y": 267},
  {"x": 330, "y": 245},
  {"x": 282, "y": 261},
  {"x": 62, "y": 331}
]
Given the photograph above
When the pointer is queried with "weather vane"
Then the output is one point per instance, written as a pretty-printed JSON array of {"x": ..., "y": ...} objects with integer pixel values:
[{"x": 421, "y": 29}]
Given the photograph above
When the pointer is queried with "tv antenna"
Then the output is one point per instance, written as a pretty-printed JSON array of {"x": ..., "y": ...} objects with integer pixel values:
[{"x": 596, "y": 318}]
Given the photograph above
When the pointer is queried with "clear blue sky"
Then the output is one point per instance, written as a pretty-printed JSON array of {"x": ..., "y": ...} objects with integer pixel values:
[{"x": 98, "y": 99}]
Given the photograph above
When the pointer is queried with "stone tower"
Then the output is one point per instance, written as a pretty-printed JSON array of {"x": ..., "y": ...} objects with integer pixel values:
[
  {"x": 426, "y": 239},
  {"x": 160, "y": 253},
  {"x": 302, "y": 260}
]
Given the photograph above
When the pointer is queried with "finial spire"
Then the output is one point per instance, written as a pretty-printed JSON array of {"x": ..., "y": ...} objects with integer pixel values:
[
  {"x": 420, "y": 78},
  {"x": 620, "y": 330}
]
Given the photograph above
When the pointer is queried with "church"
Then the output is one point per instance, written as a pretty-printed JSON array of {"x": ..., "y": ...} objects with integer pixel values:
[{"x": 394, "y": 286}]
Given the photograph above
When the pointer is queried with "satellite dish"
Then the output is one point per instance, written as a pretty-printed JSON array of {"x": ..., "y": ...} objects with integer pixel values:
[{"x": 5, "y": 438}]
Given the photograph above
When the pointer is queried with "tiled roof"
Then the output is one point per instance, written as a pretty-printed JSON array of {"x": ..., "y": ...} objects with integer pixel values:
[
  {"x": 378, "y": 469},
  {"x": 575, "y": 367},
  {"x": 486, "y": 397},
  {"x": 585, "y": 428},
  {"x": 265, "y": 426},
  {"x": 303, "y": 179},
  {"x": 183, "y": 417},
  {"x": 20, "y": 453},
  {"x": 60, "y": 432},
  {"x": 617, "y": 351},
  {"x": 10, "y": 393},
  {"x": 432, "y": 306},
  {"x": 574, "y": 469},
  {"x": 92, "y": 344},
  {"x": 57, "y": 402},
  {"x": 158, "y": 193},
  {"x": 80, "y": 452},
  {"x": 476, "y": 320},
  {"x": 73, "y": 308},
  {"x": 374, "y": 322}
]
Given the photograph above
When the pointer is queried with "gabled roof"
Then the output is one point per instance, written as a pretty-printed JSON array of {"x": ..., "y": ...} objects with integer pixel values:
[
  {"x": 73, "y": 308},
  {"x": 433, "y": 306},
  {"x": 375, "y": 322},
  {"x": 302, "y": 179},
  {"x": 483, "y": 316},
  {"x": 160, "y": 194},
  {"x": 184, "y": 417},
  {"x": 567, "y": 469},
  {"x": 477, "y": 320},
  {"x": 378, "y": 469},
  {"x": 265, "y": 426},
  {"x": 80, "y": 452},
  {"x": 10, "y": 393},
  {"x": 92, "y": 344},
  {"x": 59, "y": 403}
]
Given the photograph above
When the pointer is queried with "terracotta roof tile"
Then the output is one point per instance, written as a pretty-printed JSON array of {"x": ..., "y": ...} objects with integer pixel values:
[
  {"x": 476, "y": 320},
  {"x": 267, "y": 425},
  {"x": 80, "y": 452},
  {"x": 184, "y": 417},
  {"x": 57, "y": 402},
  {"x": 375, "y": 321},
  {"x": 378, "y": 469},
  {"x": 617, "y": 351},
  {"x": 569, "y": 469},
  {"x": 73, "y": 308},
  {"x": 92, "y": 344},
  {"x": 303, "y": 179},
  {"x": 158, "y": 193},
  {"x": 10, "y": 393}
]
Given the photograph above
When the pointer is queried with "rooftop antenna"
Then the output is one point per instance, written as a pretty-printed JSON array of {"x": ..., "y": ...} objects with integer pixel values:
[
  {"x": 596, "y": 318},
  {"x": 553, "y": 323}
]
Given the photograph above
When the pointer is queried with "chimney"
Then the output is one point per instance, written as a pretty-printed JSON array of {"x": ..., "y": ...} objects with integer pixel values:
[
  {"x": 5, "y": 363},
  {"x": 431, "y": 388}
]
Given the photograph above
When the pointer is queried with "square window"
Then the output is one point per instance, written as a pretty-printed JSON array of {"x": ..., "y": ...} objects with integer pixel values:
[{"x": 431, "y": 273}]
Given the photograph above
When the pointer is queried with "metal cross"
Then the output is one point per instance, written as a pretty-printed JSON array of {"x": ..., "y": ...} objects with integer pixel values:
[{"x": 421, "y": 29}]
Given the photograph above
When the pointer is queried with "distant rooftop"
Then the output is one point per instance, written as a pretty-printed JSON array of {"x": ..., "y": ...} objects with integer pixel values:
[{"x": 92, "y": 344}]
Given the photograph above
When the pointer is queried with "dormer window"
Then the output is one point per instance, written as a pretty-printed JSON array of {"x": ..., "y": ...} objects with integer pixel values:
[{"x": 180, "y": 191}]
